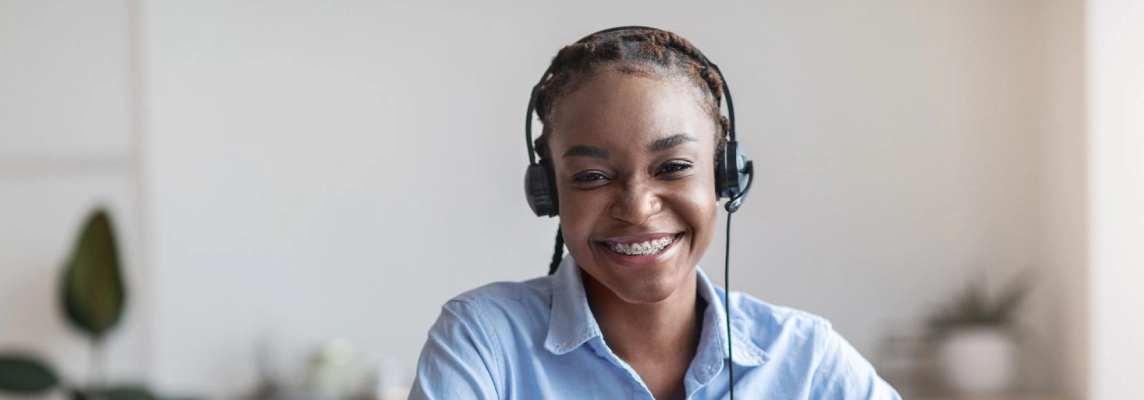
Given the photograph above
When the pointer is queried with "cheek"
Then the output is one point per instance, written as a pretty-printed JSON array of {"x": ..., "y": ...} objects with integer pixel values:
[
  {"x": 698, "y": 206},
  {"x": 580, "y": 212}
]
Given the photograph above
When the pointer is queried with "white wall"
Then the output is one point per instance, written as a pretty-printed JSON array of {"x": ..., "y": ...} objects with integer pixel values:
[
  {"x": 1115, "y": 57},
  {"x": 341, "y": 169},
  {"x": 67, "y": 144}
]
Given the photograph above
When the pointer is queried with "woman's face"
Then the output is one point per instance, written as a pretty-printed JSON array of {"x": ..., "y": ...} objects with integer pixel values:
[{"x": 634, "y": 166}]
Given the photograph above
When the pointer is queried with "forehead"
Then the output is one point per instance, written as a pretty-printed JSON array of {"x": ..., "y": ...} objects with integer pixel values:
[{"x": 613, "y": 107}]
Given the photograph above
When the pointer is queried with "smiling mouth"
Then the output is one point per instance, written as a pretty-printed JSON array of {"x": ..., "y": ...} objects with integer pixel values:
[{"x": 641, "y": 249}]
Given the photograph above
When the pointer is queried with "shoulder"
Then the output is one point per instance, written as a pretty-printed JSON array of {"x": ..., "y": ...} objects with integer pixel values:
[
  {"x": 776, "y": 328},
  {"x": 835, "y": 368},
  {"x": 465, "y": 353},
  {"x": 507, "y": 294},
  {"x": 500, "y": 303}
]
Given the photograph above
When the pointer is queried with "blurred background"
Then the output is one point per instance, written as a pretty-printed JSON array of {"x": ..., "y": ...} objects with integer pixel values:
[{"x": 296, "y": 187}]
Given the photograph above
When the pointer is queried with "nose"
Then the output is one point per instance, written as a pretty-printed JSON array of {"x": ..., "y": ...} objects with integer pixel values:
[{"x": 636, "y": 201}]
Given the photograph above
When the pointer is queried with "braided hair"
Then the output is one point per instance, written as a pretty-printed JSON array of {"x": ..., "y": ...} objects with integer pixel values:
[{"x": 636, "y": 51}]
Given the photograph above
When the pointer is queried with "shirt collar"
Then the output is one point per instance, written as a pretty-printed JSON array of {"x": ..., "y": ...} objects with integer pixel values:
[{"x": 571, "y": 322}]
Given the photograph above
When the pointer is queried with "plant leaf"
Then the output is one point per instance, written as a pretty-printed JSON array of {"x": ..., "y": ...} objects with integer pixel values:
[
  {"x": 1014, "y": 294},
  {"x": 25, "y": 375},
  {"x": 93, "y": 286}
]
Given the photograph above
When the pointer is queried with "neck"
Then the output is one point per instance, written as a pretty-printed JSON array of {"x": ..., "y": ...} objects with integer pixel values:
[{"x": 665, "y": 331}]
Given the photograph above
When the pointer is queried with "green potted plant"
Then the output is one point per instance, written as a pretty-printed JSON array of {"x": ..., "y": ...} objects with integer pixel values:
[
  {"x": 93, "y": 297},
  {"x": 976, "y": 339}
]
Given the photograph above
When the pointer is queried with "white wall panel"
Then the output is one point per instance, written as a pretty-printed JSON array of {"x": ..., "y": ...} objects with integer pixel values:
[
  {"x": 66, "y": 146},
  {"x": 1115, "y": 56}
]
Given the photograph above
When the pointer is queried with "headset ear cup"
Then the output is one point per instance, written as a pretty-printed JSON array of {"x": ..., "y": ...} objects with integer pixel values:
[
  {"x": 728, "y": 184},
  {"x": 733, "y": 168},
  {"x": 540, "y": 191}
]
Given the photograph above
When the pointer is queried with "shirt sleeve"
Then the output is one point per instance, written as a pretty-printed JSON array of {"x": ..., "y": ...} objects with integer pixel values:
[
  {"x": 458, "y": 361},
  {"x": 844, "y": 374}
]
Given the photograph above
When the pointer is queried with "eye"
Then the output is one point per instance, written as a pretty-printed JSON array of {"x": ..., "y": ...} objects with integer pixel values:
[
  {"x": 589, "y": 176},
  {"x": 674, "y": 167}
]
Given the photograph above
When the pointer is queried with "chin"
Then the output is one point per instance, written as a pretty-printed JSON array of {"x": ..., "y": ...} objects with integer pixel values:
[{"x": 642, "y": 285}]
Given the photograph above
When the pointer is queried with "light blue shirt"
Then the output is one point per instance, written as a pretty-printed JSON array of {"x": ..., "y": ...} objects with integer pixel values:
[{"x": 538, "y": 339}]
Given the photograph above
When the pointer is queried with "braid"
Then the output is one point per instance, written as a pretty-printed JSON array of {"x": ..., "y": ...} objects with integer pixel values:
[
  {"x": 557, "y": 255},
  {"x": 641, "y": 52}
]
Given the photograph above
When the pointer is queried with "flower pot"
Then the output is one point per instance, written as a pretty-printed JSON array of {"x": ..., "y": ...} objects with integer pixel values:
[{"x": 978, "y": 360}]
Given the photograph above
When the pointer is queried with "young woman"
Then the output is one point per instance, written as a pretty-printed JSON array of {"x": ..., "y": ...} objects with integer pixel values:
[{"x": 632, "y": 135}]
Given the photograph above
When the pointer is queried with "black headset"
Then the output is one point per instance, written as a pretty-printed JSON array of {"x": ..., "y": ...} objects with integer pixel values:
[{"x": 733, "y": 175}]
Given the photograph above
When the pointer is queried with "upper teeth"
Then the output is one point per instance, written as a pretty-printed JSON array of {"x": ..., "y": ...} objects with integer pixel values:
[{"x": 643, "y": 248}]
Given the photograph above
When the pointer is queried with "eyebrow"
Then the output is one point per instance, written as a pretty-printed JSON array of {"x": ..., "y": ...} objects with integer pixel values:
[
  {"x": 586, "y": 151},
  {"x": 656, "y": 146},
  {"x": 670, "y": 141}
]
